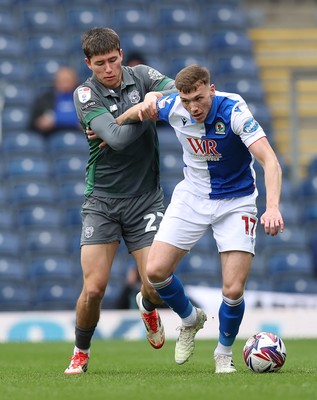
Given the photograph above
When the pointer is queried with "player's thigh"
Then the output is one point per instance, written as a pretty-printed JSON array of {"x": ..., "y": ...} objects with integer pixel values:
[
  {"x": 163, "y": 260},
  {"x": 96, "y": 261}
]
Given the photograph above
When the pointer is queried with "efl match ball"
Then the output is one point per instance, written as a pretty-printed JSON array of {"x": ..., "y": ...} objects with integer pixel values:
[{"x": 264, "y": 352}]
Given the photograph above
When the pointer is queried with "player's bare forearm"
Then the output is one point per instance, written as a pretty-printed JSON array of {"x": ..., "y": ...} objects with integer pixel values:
[{"x": 130, "y": 116}]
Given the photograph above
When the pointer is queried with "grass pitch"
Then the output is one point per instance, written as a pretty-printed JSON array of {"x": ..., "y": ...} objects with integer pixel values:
[{"x": 125, "y": 370}]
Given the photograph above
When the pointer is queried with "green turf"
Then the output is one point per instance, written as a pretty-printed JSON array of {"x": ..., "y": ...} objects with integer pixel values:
[{"x": 133, "y": 370}]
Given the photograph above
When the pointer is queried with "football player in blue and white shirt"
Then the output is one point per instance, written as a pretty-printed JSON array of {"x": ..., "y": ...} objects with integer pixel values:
[{"x": 220, "y": 140}]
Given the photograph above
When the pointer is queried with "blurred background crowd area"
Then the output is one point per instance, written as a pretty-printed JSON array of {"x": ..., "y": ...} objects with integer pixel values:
[{"x": 264, "y": 50}]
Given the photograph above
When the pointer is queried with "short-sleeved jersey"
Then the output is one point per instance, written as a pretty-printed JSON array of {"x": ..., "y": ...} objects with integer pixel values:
[
  {"x": 217, "y": 161},
  {"x": 134, "y": 170}
]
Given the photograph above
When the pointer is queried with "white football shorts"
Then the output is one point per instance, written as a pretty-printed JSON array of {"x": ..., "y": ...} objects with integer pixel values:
[{"x": 187, "y": 218}]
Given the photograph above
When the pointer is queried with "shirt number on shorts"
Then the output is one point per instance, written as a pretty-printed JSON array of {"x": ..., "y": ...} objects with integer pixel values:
[
  {"x": 152, "y": 218},
  {"x": 249, "y": 225}
]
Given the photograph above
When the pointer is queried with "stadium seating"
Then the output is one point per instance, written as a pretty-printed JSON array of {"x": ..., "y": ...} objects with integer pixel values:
[
  {"x": 32, "y": 191},
  {"x": 38, "y": 36},
  {"x": 39, "y": 216},
  {"x": 15, "y": 297},
  {"x": 12, "y": 269},
  {"x": 56, "y": 296}
]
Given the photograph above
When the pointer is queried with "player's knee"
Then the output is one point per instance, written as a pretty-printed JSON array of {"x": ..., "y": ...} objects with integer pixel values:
[{"x": 233, "y": 292}]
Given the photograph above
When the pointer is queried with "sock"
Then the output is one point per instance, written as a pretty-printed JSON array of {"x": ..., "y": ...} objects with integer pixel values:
[
  {"x": 83, "y": 337},
  {"x": 230, "y": 317},
  {"x": 221, "y": 349},
  {"x": 76, "y": 350},
  {"x": 147, "y": 305},
  {"x": 172, "y": 292},
  {"x": 191, "y": 319}
]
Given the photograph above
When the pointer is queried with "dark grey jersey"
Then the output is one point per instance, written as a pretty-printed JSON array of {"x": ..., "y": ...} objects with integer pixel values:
[{"x": 129, "y": 165}]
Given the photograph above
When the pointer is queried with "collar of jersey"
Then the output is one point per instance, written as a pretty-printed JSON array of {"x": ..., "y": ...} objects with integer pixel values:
[{"x": 127, "y": 80}]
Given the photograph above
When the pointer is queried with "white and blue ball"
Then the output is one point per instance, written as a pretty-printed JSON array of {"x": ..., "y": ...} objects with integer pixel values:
[{"x": 264, "y": 352}]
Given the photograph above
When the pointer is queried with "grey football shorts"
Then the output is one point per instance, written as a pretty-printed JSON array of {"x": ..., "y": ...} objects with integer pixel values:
[{"x": 136, "y": 219}]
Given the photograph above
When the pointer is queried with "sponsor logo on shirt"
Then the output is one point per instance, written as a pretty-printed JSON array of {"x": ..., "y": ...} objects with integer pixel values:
[
  {"x": 205, "y": 149},
  {"x": 87, "y": 105},
  {"x": 84, "y": 94},
  {"x": 251, "y": 125}
]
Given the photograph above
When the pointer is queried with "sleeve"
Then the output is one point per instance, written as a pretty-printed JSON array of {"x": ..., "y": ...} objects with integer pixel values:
[
  {"x": 244, "y": 124},
  {"x": 154, "y": 80},
  {"x": 164, "y": 106},
  {"x": 117, "y": 136}
]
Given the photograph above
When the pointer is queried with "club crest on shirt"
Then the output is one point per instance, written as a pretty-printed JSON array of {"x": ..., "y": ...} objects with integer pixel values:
[
  {"x": 134, "y": 96},
  {"x": 84, "y": 94},
  {"x": 220, "y": 128},
  {"x": 153, "y": 74}
]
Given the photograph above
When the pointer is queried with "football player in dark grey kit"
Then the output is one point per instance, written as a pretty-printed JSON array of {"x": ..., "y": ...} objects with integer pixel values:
[{"x": 123, "y": 197}]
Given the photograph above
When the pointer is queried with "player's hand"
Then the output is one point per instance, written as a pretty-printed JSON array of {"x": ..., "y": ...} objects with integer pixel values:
[
  {"x": 272, "y": 221},
  {"x": 148, "y": 109},
  {"x": 92, "y": 136}
]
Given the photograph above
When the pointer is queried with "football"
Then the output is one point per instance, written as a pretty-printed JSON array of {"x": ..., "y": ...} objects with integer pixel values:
[{"x": 264, "y": 352}]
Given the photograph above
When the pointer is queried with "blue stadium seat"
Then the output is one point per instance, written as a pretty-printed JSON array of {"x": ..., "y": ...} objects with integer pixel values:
[
  {"x": 236, "y": 67},
  {"x": 172, "y": 165},
  {"x": 68, "y": 142},
  {"x": 71, "y": 191},
  {"x": 112, "y": 295},
  {"x": 32, "y": 191},
  {"x": 15, "y": 297},
  {"x": 308, "y": 188},
  {"x": 72, "y": 215},
  {"x": 229, "y": 42},
  {"x": 200, "y": 268},
  {"x": 83, "y": 17},
  {"x": 43, "y": 241},
  {"x": 312, "y": 167},
  {"x": 4, "y": 195},
  {"x": 289, "y": 262},
  {"x": 12, "y": 269},
  {"x": 24, "y": 143},
  {"x": 46, "y": 45},
  {"x": 290, "y": 239},
  {"x": 13, "y": 71},
  {"x": 42, "y": 18},
  {"x": 18, "y": 93},
  {"x": 10, "y": 47},
  {"x": 172, "y": 17},
  {"x": 179, "y": 61},
  {"x": 145, "y": 42},
  {"x": 297, "y": 284},
  {"x": 50, "y": 267},
  {"x": 44, "y": 68},
  {"x": 39, "y": 216},
  {"x": 69, "y": 166},
  {"x": 7, "y": 217},
  {"x": 223, "y": 16},
  {"x": 15, "y": 117},
  {"x": 309, "y": 212},
  {"x": 10, "y": 242},
  {"x": 20, "y": 166},
  {"x": 56, "y": 296},
  {"x": 8, "y": 22},
  {"x": 248, "y": 88},
  {"x": 186, "y": 42},
  {"x": 131, "y": 18}
]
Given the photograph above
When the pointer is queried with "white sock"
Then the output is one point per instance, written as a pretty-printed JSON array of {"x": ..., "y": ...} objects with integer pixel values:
[
  {"x": 191, "y": 319},
  {"x": 221, "y": 349},
  {"x": 76, "y": 350}
]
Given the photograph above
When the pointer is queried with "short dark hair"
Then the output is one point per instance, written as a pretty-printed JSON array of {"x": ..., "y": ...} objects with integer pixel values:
[
  {"x": 99, "y": 41},
  {"x": 188, "y": 79}
]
